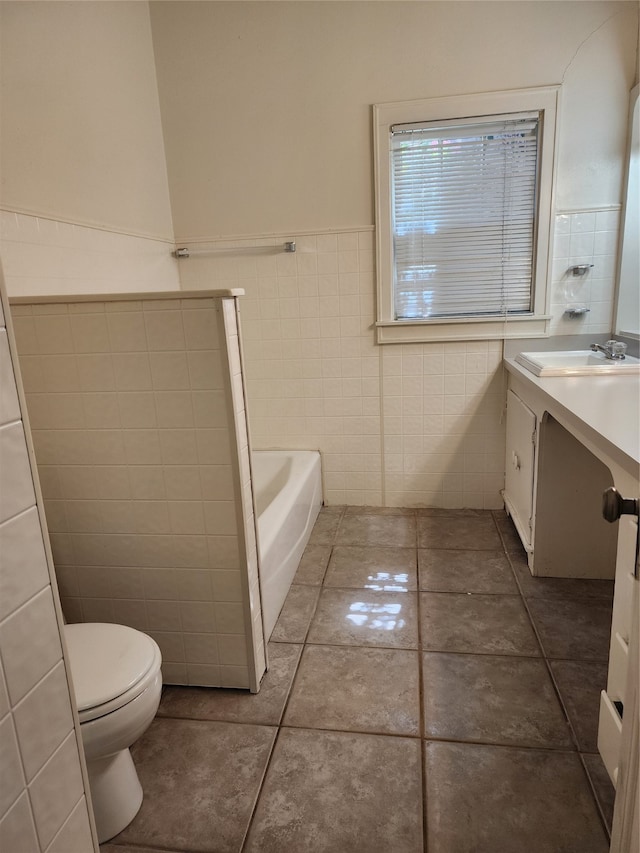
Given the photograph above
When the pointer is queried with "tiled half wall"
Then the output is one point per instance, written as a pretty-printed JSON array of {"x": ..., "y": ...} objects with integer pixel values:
[{"x": 137, "y": 415}]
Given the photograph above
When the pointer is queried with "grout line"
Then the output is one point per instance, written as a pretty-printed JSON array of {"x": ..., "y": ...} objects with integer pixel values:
[
  {"x": 421, "y": 700},
  {"x": 259, "y": 790},
  {"x": 371, "y": 732},
  {"x": 590, "y": 782},
  {"x": 383, "y": 466},
  {"x": 475, "y": 742}
]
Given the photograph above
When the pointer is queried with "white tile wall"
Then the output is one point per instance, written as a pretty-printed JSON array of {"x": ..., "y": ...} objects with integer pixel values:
[
  {"x": 585, "y": 237},
  {"x": 45, "y": 257},
  {"x": 131, "y": 426},
  {"x": 43, "y": 806},
  {"x": 443, "y": 429},
  {"x": 397, "y": 424}
]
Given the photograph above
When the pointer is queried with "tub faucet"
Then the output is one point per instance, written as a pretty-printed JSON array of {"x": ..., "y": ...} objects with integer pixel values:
[{"x": 612, "y": 349}]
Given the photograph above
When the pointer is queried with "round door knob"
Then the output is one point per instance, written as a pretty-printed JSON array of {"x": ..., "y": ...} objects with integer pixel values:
[{"x": 614, "y": 505}]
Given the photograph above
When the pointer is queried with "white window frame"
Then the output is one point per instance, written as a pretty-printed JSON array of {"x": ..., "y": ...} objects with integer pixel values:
[{"x": 536, "y": 324}]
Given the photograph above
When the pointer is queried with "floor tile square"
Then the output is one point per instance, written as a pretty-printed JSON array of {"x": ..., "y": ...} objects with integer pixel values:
[
  {"x": 499, "y": 700},
  {"x": 378, "y": 531},
  {"x": 577, "y": 629},
  {"x": 238, "y": 706},
  {"x": 365, "y": 618},
  {"x": 580, "y": 684},
  {"x": 332, "y": 791},
  {"x": 471, "y": 798},
  {"x": 295, "y": 616},
  {"x": 480, "y": 624},
  {"x": 356, "y": 689},
  {"x": 378, "y": 569},
  {"x": 465, "y": 571},
  {"x": 470, "y": 533},
  {"x": 200, "y": 781},
  {"x": 313, "y": 565}
]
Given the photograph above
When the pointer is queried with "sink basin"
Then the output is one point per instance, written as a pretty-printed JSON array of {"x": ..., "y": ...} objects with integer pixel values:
[{"x": 576, "y": 363}]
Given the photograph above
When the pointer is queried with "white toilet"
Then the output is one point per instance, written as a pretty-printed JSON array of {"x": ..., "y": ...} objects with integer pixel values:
[{"x": 117, "y": 680}]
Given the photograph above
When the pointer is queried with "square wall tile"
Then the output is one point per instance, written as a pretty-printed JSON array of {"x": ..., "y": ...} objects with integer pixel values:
[
  {"x": 201, "y": 328},
  {"x": 23, "y": 563},
  {"x": 56, "y": 790},
  {"x": 43, "y": 719},
  {"x": 90, "y": 332},
  {"x": 12, "y": 781},
  {"x": 127, "y": 332},
  {"x": 164, "y": 330},
  {"x": 75, "y": 833},
  {"x": 31, "y": 644},
  {"x": 17, "y": 829},
  {"x": 16, "y": 492},
  {"x": 9, "y": 406}
]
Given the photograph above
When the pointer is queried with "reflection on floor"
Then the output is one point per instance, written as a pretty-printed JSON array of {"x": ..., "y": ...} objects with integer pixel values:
[{"x": 424, "y": 693}]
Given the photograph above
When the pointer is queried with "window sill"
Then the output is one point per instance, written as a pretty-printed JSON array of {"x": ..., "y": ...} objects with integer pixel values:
[{"x": 466, "y": 329}]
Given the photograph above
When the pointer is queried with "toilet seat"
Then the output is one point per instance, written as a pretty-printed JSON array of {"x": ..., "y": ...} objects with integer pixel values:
[{"x": 111, "y": 665}]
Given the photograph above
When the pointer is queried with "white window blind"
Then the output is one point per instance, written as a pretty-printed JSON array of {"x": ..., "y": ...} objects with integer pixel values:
[{"x": 463, "y": 209}]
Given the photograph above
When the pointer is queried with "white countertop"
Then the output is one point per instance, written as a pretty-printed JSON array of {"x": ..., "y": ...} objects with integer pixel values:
[{"x": 608, "y": 406}]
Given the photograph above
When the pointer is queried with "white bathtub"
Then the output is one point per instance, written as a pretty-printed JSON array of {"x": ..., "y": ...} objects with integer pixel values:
[{"x": 288, "y": 493}]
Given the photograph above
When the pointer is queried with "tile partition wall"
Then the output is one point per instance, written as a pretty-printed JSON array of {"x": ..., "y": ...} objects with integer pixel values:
[
  {"x": 43, "y": 805},
  {"x": 131, "y": 412},
  {"x": 397, "y": 425},
  {"x": 48, "y": 257}
]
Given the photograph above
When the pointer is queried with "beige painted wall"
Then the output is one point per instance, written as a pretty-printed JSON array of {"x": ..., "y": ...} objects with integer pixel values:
[
  {"x": 266, "y": 106},
  {"x": 80, "y": 121}
]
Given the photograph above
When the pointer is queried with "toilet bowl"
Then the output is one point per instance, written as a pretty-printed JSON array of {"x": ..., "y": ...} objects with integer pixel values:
[{"x": 117, "y": 681}]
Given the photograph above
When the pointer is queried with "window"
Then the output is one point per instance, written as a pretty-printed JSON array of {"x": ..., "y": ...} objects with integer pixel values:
[{"x": 463, "y": 210}]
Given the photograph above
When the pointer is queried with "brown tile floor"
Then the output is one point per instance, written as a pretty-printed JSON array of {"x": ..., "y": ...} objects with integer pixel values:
[{"x": 424, "y": 693}]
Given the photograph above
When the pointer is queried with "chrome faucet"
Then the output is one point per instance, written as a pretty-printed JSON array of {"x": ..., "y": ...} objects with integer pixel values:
[{"x": 614, "y": 350}]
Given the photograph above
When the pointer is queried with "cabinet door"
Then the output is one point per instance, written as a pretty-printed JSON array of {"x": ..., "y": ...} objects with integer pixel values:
[{"x": 518, "y": 493}]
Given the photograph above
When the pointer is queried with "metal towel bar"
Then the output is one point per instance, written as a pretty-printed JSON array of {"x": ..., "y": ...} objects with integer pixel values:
[{"x": 290, "y": 246}]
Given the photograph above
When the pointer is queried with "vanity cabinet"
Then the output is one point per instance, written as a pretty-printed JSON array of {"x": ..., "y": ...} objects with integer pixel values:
[
  {"x": 585, "y": 439},
  {"x": 553, "y": 488}
]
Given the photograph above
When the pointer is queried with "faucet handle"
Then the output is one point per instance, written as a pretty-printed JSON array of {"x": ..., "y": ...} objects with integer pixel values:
[{"x": 617, "y": 348}]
